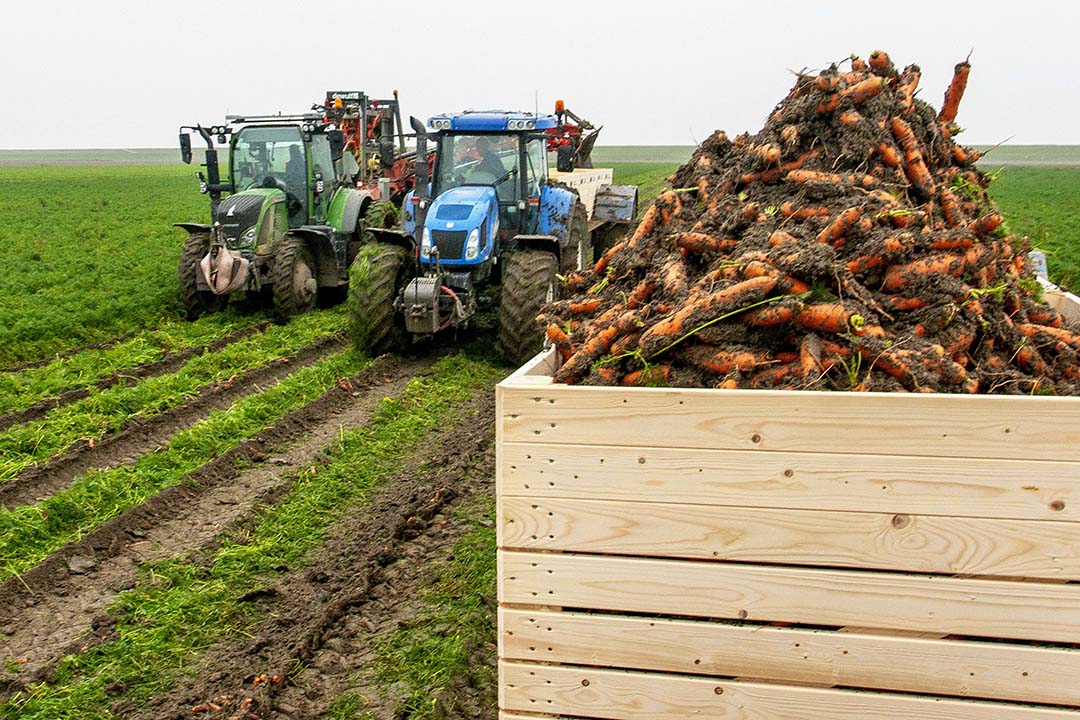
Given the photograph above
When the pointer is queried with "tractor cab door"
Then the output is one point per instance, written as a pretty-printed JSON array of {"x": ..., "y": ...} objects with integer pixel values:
[
  {"x": 273, "y": 157},
  {"x": 535, "y": 177},
  {"x": 322, "y": 165}
]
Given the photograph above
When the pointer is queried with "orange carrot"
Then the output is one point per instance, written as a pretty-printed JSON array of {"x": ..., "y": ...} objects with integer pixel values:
[
  {"x": 581, "y": 307},
  {"x": 909, "y": 83},
  {"x": 898, "y": 277},
  {"x": 850, "y": 118},
  {"x": 986, "y": 224},
  {"x": 865, "y": 90},
  {"x": 952, "y": 243},
  {"x": 815, "y": 176},
  {"x": 645, "y": 227},
  {"x": 670, "y": 206},
  {"x": 858, "y": 65},
  {"x": 771, "y": 315},
  {"x": 702, "y": 309},
  {"x": 834, "y": 233},
  {"x": 888, "y": 155},
  {"x": 810, "y": 355},
  {"x": 826, "y": 317},
  {"x": 575, "y": 282},
  {"x": 964, "y": 156},
  {"x": 782, "y": 238},
  {"x": 673, "y": 277},
  {"x": 880, "y": 64},
  {"x": 722, "y": 362},
  {"x": 950, "y": 207},
  {"x": 655, "y": 375},
  {"x": 769, "y": 154},
  {"x": 626, "y": 343},
  {"x": 1029, "y": 357},
  {"x": 560, "y": 340},
  {"x": 951, "y": 103},
  {"x": 1032, "y": 331},
  {"x": 914, "y": 162},
  {"x": 790, "y": 135},
  {"x": 784, "y": 282},
  {"x": 608, "y": 375},
  {"x": 774, "y": 377},
  {"x": 829, "y": 80},
  {"x": 899, "y": 302},
  {"x": 701, "y": 242},
  {"x": 640, "y": 294},
  {"x": 601, "y": 265},
  {"x": 578, "y": 364},
  {"x": 1045, "y": 315},
  {"x": 829, "y": 104}
]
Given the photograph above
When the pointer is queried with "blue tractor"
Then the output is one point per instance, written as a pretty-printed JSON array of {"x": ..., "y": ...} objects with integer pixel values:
[{"x": 493, "y": 225}]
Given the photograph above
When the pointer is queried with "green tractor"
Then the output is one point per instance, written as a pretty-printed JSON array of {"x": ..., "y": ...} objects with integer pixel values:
[{"x": 290, "y": 222}]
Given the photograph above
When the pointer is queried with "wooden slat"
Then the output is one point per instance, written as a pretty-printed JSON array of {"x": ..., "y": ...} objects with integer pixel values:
[
  {"x": 813, "y": 481},
  {"x": 990, "y": 426},
  {"x": 967, "y": 546},
  {"x": 989, "y": 608},
  {"x": 1002, "y": 671},
  {"x": 617, "y": 695}
]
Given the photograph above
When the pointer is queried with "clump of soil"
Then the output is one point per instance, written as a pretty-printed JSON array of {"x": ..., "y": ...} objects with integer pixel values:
[{"x": 849, "y": 245}]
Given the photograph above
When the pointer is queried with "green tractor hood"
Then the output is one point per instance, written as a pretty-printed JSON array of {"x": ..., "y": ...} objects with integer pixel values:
[{"x": 241, "y": 216}]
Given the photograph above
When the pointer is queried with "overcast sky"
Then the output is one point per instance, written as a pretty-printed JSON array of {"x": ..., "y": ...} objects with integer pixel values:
[{"x": 126, "y": 73}]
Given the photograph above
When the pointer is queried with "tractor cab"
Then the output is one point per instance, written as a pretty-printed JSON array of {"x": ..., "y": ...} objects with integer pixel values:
[{"x": 490, "y": 171}]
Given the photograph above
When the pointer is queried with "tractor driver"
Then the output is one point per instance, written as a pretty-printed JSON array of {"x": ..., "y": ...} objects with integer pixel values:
[
  {"x": 489, "y": 161},
  {"x": 295, "y": 170}
]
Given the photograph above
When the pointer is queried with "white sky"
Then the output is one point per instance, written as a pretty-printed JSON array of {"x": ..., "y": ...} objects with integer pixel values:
[{"x": 126, "y": 73}]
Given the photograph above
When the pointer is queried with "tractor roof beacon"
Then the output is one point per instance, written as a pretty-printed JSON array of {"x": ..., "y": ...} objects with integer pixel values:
[
  {"x": 491, "y": 216},
  {"x": 285, "y": 221}
]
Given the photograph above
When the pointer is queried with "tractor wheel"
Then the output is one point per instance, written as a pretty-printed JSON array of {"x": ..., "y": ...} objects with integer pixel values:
[
  {"x": 374, "y": 280},
  {"x": 296, "y": 284},
  {"x": 196, "y": 302},
  {"x": 577, "y": 251},
  {"x": 528, "y": 283}
]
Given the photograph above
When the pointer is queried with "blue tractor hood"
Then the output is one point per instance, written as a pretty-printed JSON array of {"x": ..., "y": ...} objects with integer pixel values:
[{"x": 454, "y": 215}]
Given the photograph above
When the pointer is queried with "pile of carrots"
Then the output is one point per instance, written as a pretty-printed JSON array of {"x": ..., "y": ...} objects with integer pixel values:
[{"x": 849, "y": 245}]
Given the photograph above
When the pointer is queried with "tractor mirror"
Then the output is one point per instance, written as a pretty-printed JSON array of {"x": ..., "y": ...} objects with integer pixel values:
[
  {"x": 185, "y": 148},
  {"x": 337, "y": 144}
]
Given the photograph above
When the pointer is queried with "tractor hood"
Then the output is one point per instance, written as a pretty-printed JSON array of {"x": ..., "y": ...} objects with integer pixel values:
[
  {"x": 451, "y": 220},
  {"x": 239, "y": 216}
]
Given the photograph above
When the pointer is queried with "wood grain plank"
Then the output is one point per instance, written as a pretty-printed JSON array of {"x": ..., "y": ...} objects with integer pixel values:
[
  {"x": 968, "y": 426},
  {"x": 1001, "y": 671},
  {"x": 960, "y": 606},
  {"x": 914, "y": 543},
  {"x": 649, "y": 696},
  {"x": 812, "y": 481}
]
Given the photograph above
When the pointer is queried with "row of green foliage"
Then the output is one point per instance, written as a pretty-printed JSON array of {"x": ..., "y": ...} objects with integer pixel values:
[
  {"x": 89, "y": 253},
  {"x": 23, "y": 388},
  {"x": 30, "y": 532},
  {"x": 108, "y": 410},
  {"x": 442, "y": 646},
  {"x": 178, "y": 609}
]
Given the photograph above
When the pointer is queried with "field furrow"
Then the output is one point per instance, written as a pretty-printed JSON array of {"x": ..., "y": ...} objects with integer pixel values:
[
  {"x": 82, "y": 580},
  {"x": 179, "y": 608},
  {"x": 86, "y": 421},
  {"x": 81, "y": 386}
]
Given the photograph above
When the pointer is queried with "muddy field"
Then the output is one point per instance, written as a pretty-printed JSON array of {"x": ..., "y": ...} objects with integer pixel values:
[{"x": 261, "y": 548}]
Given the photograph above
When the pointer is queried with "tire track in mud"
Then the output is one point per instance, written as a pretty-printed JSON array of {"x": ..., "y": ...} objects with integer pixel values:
[
  {"x": 60, "y": 605},
  {"x": 363, "y": 582},
  {"x": 128, "y": 377},
  {"x": 140, "y": 436}
]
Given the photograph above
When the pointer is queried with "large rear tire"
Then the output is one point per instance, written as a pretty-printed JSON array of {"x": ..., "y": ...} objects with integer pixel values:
[
  {"x": 196, "y": 302},
  {"x": 375, "y": 277},
  {"x": 528, "y": 283},
  {"x": 295, "y": 279}
]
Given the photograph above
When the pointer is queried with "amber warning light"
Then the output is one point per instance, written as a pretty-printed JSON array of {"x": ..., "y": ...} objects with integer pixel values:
[{"x": 560, "y": 106}]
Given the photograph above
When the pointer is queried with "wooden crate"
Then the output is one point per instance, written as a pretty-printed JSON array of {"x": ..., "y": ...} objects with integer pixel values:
[{"x": 675, "y": 553}]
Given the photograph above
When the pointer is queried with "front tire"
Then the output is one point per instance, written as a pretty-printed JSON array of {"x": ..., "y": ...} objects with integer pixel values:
[
  {"x": 528, "y": 283},
  {"x": 196, "y": 302},
  {"x": 374, "y": 280},
  {"x": 295, "y": 279}
]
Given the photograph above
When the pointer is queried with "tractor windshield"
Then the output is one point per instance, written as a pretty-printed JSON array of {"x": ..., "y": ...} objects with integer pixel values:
[
  {"x": 271, "y": 157},
  {"x": 487, "y": 159}
]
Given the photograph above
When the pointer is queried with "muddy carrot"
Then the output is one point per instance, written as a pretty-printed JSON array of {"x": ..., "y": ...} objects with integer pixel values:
[
  {"x": 722, "y": 362},
  {"x": 850, "y": 118},
  {"x": 704, "y": 308},
  {"x": 785, "y": 283},
  {"x": 955, "y": 92},
  {"x": 827, "y": 81},
  {"x": 835, "y": 232},
  {"x": 782, "y": 238},
  {"x": 601, "y": 265},
  {"x": 775, "y": 377},
  {"x": 625, "y": 344},
  {"x": 829, "y": 104},
  {"x": 909, "y": 83},
  {"x": 964, "y": 156},
  {"x": 826, "y": 317},
  {"x": 578, "y": 364},
  {"x": 640, "y": 294},
  {"x": 858, "y": 65},
  {"x": 771, "y": 315},
  {"x": 898, "y": 277},
  {"x": 1066, "y": 336},
  {"x": 888, "y": 155},
  {"x": 914, "y": 161},
  {"x": 1028, "y": 357},
  {"x": 952, "y": 243},
  {"x": 645, "y": 227},
  {"x": 950, "y": 207},
  {"x": 768, "y": 154},
  {"x": 1045, "y": 315},
  {"x": 880, "y": 64},
  {"x": 700, "y": 242},
  {"x": 790, "y": 135},
  {"x": 986, "y": 224},
  {"x": 899, "y": 302},
  {"x": 560, "y": 340},
  {"x": 863, "y": 91},
  {"x": 655, "y": 375}
]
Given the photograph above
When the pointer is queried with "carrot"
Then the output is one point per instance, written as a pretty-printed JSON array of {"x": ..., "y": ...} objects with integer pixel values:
[
  {"x": 858, "y": 65},
  {"x": 640, "y": 294},
  {"x": 893, "y": 362},
  {"x": 802, "y": 177},
  {"x": 1066, "y": 336},
  {"x": 899, "y": 302},
  {"x": 1029, "y": 357},
  {"x": 909, "y": 83},
  {"x": 645, "y": 227},
  {"x": 626, "y": 343},
  {"x": 863, "y": 91},
  {"x": 768, "y": 154},
  {"x": 775, "y": 172},
  {"x": 826, "y": 317},
  {"x": 950, "y": 207},
  {"x": 880, "y": 64},
  {"x": 834, "y": 233},
  {"x": 850, "y": 118},
  {"x": 986, "y": 224},
  {"x": 560, "y": 340},
  {"x": 951, "y": 104},
  {"x": 575, "y": 307},
  {"x": 578, "y": 364},
  {"x": 673, "y": 278},
  {"x": 888, "y": 155},
  {"x": 785, "y": 283},
  {"x": 701, "y": 242},
  {"x": 789, "y": 210},
  {"x": 829, "y": 104},
  {"x": 952, "y": 243},
  {"x": 655, "y": 375},
  {"x": 964, "y": 156},
  {"x": 772, "y": 315},
  {"x": 827, "y": 81},
  {"x": 914, "y": 162},
  {"x": 790, "y": 135},
  {"x": 701, "y": 309},
  {"x": 1045, "y": 315},
  {"x": 721, "y": 362},
  {"x": 608, "y": 375},
  {"x": 601, "y": 265},
  {"x": 575, "y": 282},
  {"x": 728, "y": 384},
  {"x": 961, "y": 341},
  {"x": 670, "y": 206},
  {"x": 810, "y": 355},
  {"x": 782, "y": 238},
  {"x": 898, "y": 277},
  {"x": 774, "y": 377}
]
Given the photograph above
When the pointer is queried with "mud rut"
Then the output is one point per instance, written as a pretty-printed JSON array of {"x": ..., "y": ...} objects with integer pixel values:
[
  {"x": 141, "y": 436},
  {"x": 59, "y": 606}
]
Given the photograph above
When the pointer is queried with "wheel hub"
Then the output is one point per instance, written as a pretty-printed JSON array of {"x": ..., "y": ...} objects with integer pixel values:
[{"x": 304, "y": 283}]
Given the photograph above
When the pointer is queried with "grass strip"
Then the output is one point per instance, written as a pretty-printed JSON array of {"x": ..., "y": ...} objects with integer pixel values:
[
  {"x": 30, "y": 532},
  {"x": 19, "y": 389},
  {"x": 178, "y": 609},
  {"x": 107, "y": 410},
  {"x": 452, "y": 638}
]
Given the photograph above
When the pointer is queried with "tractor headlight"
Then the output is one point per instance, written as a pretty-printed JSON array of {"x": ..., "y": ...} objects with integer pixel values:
[
  {"x": 425, "y": 244},
  {"x": 472, "y": 247},
  {"x": 248, "y": 236}
]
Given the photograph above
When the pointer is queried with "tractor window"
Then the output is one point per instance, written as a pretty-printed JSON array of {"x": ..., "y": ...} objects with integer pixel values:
[
  {"x": 321, "y": 160},
  {"x": 478, "y": 160},
  {"x": 266, "y": 157},
  {"x": 536, "y": 157}
]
